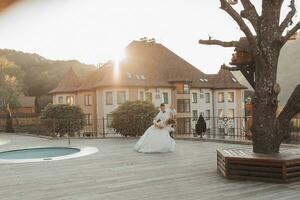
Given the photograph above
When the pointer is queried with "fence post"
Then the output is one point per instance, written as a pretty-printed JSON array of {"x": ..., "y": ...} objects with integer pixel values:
[{"x": 103, "y": 124}]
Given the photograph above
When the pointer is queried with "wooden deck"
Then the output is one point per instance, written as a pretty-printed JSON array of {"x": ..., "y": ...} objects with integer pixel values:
[{"x": 117, "y": 172}]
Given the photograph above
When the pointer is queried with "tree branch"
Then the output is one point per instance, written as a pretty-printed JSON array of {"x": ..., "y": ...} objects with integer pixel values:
[
  {"x": 220, "y": 43},
  {"x": 290, "y": 33},
  {"x": 291, "y": 109},
  {"x": 250, "y": 13},
  {"x": 239, "y": 20},
  {"x": 231, "y": 68},
  {"x": 288, "y": 19}
]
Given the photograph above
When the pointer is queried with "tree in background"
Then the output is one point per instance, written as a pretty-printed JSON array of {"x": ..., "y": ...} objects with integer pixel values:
[
  {"x": 200, "y": 126},
  {"x": 10, "y": 89},
  {"x": 265, "y": 42},
  {"x": 63, "y": 119},
  {"x": 132, "y": 118}
]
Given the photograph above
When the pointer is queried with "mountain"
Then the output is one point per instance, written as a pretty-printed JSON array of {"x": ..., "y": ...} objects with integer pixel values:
[
  {"x": 40, "y": 74},
  {"x": 288, "y": 75}
]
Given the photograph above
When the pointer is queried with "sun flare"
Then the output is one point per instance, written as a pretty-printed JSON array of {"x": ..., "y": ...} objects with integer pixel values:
[{"x": 118, "y": 57}]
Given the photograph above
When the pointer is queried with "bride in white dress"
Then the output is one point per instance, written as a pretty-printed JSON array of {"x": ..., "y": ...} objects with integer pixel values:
[{"x": 156, "y": 138}]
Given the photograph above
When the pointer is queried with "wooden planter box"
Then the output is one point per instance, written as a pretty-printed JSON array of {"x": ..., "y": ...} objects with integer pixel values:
[{"x": 244, "y": 165}]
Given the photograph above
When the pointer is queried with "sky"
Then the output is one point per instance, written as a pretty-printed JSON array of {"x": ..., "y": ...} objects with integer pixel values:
[{"x": 94, "y": 31}]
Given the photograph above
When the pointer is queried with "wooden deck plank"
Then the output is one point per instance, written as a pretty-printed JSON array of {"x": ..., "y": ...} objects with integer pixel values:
[{"x": 117, "y": 172}]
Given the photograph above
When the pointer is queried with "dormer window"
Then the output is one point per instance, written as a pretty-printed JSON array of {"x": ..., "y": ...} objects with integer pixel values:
[
  {"x": 205, "y": 80},
  {"x": 137, "y": 77},
  {"x": 142, "y": 77},
  {"x": 129, "y": 75},
  {"x": 201, "y": 80},
  {"x": 234, "y": 80}
]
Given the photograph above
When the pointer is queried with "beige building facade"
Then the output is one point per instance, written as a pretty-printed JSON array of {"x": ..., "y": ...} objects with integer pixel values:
[{"x": 153, "y": 73}]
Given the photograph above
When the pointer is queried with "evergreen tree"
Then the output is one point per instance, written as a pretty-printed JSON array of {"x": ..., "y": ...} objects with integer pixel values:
[{"x": 200, "y": 126}]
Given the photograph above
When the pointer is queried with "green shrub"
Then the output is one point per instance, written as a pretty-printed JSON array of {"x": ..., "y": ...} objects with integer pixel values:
[
  {"x": 132, "y": 118},
  {"x": 64, "y": 119}
]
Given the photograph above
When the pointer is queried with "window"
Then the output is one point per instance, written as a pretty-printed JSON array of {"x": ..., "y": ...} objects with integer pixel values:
[
  {"x": 129, "y": 76},
  {"x": 230, "y": 113},
  {"x": 186, "y": 89},
  {"x": 88, "y": 119},
  {"x": 142, "y": 77},
  {"x": 221, "y": 97},
  {"x": 88, "y": 100},
  {"x": 70, "y": 100},
  {"x": 195, "y": 98},
  {"x": 195, "y": 115},
  {"x": 207, "y": 98},
  {"x": 109, "y": 120},
  {"x": 221, "y": 113},
  {"x": 207, "y": 114},
  {"x": 60, "y": 100},
  {"x": 230, "y": 97},
  {"x": 121, "y": 97},
  {"x": 109, "y": 98},
  {"x": 166, "y": 97},
  {"x": 183, "y": 105},
  {"x": 183, "y": 125},
  {"x": 149, "y": 96},
  {"x": 142, "y": 96}
]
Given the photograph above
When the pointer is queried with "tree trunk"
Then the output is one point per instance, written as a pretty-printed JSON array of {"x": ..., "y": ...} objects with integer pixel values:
[
  {"x": 9, "y": 123},
  {"x": 265, "y": 137}
]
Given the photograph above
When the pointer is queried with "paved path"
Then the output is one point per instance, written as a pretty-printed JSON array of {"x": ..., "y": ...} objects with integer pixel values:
[{"x": 117, "y": 172}]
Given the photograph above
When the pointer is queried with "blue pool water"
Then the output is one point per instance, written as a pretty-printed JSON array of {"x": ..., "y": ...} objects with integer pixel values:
[{"x": 33, "y": 153}]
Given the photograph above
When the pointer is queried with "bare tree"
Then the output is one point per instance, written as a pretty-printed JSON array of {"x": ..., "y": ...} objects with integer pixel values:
[{"x": 265, "y": 45}]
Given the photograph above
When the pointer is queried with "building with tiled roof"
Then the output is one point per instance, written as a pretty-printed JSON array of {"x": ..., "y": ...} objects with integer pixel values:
[{"x": 152, "y": 72}]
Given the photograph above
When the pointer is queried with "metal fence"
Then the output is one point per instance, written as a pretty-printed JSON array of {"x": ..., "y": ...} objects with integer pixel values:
[
  {"x": 218, "y": 128},
  {"x": 236, "y": 128}
]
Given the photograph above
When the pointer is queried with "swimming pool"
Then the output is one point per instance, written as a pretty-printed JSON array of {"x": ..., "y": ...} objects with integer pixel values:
[
  {"x": 44, "y": 154},
  {"x": 32, "y": 153}
]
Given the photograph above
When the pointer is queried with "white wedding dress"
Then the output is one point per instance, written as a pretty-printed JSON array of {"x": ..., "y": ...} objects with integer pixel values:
[{"x": 156, "y": 140}]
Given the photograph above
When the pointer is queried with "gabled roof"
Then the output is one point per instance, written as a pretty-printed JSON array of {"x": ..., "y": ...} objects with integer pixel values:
[
  {"x": 155, "y": 62},
  {"x": 147, "y": 64},
  {"x": 69, "y": 83},
  {"x": 226, "y": 80},
  {"x": 27, "y": 101}
]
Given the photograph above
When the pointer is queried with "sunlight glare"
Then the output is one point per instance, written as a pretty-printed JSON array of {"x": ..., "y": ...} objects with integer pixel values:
[{"x": 119, "y": 56}]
